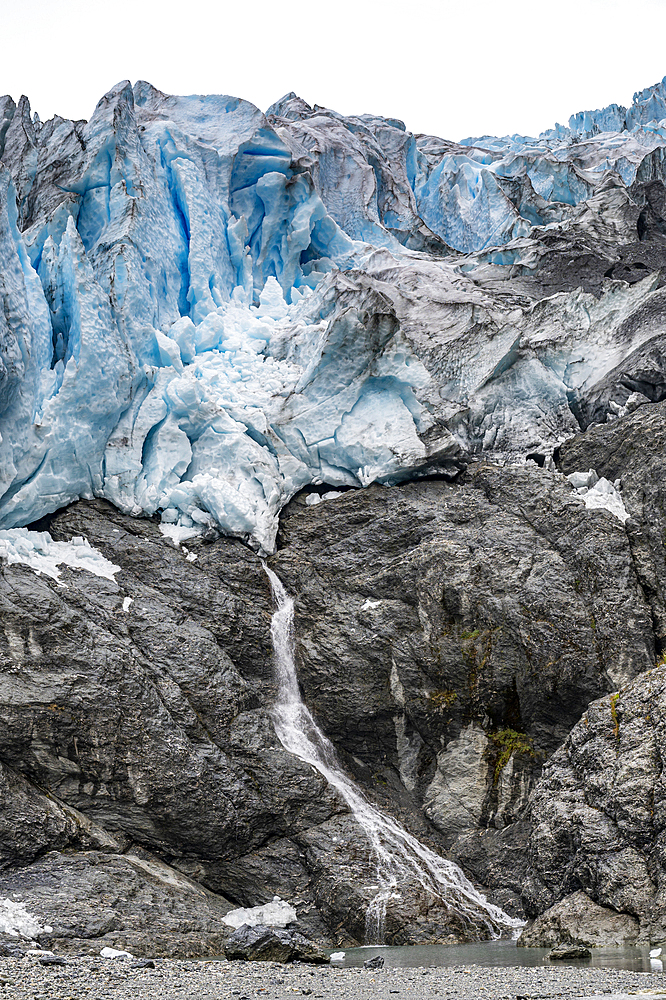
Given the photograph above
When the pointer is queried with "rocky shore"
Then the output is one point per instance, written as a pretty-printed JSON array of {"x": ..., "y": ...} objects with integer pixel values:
[{"x": 99, "y": 978}]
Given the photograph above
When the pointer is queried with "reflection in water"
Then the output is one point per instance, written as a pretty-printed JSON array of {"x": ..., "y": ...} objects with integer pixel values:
[{"x": 499, "y": 953}]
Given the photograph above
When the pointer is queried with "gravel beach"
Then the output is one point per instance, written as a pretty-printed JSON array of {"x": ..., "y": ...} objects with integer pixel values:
[{"x": 173, "y": 980}]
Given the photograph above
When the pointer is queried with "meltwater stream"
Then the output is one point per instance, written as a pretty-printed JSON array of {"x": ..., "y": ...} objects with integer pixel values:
[{"x": 399, "y": 856}]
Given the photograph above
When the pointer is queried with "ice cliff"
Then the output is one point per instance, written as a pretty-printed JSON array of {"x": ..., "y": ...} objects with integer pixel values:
[{"x": 207, "y": 309}]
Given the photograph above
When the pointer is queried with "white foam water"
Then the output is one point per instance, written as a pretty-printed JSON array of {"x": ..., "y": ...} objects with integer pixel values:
[{"x": 400, "y": 858}]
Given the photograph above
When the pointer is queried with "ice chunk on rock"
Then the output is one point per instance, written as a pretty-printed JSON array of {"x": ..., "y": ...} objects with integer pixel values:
[
  {"x": 583, "y": 480},
  {"x": 274, "y": 914}
]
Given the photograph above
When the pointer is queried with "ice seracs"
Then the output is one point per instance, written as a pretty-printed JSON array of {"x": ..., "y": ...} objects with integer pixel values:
[
  {"x": 208, "y": 309},
  {"x": 599, "y": 494}
]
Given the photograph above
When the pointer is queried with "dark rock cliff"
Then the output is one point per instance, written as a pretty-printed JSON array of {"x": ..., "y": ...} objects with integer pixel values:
[{"x": 449, "y": 636}]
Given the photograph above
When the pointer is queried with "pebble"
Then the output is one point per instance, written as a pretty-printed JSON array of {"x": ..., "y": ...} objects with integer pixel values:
[{"x": 97, "y": 979}]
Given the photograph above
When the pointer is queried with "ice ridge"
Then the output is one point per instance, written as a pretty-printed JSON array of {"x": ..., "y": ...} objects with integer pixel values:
[{"x": 207, "y": 309}]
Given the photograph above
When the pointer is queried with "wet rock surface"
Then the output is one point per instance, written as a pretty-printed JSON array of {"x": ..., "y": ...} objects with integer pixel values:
[{"x": 469, "y": 625}]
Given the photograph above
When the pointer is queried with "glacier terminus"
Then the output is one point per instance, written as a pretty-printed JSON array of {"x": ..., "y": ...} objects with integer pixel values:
[{"x": 207, "y": 309}]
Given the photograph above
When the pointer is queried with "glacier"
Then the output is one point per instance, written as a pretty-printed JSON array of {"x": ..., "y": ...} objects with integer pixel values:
[{"x": 207, "y": 309}]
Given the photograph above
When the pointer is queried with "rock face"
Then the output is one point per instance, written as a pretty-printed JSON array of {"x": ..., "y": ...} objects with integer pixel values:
[
  {"x": 469, "y": 625},
  {"x": 597, "y": 813},
  {"x": 90, "y": 900},
  {"x": 442, "y": 638},
  {"x": 576, "y": 921}
]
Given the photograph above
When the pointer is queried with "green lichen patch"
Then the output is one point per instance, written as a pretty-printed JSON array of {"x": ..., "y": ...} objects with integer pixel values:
[
  {"x": 614, "y": 716},
  {"x": 442, "y": 700},
  {"x": 508, "y": 743}
]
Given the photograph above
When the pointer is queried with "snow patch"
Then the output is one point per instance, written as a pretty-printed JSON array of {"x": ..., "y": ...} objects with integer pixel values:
[
  {"x": 275, "y": 914},
  {"x": 113, "y": 953},
  {"x": 599, "y": 493},
  {"x": 37, "y": 550},
  {"x": 369, "y": 605},
  {"x": 127, "y": 602}
]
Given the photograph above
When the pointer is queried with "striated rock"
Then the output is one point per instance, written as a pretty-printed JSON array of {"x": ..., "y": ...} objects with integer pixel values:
[
  {"x": 272, "y": 944},
  {"x": 577, "y": 922},
  {"x": 597, "y": 811}
]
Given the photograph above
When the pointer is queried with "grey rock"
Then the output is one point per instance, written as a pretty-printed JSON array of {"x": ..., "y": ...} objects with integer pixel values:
[
  {"x": 632, "y": 449},
  {"x": 52, "y": 960},
  {"x": 9, "y": 948},
  {"x": 578, "y": 921},
  {"x": 433, "y": 622},
  {"x": 470, "y": 624},
  {"x": 376, "y": 962},
  {"x": 93, "y": 900},
  {"x": 569, "y": 951},
  {"x": 272, "y": 944},
  {"x": 597, "y": 811}
]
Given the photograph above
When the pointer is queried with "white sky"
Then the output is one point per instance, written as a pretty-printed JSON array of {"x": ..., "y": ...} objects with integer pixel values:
[{"x": 450, "y": 67}]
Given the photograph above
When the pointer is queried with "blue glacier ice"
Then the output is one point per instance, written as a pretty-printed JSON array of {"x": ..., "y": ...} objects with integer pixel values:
[{"x": 207, "y": 309}]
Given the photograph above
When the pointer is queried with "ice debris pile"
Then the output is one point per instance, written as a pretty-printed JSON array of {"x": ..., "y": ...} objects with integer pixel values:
[
  {"x": 16, "y": 921},
  {"x": 207, "y": 309},
  {"x": 37, "y": 550},
  {"x": 599, "y": 494}
]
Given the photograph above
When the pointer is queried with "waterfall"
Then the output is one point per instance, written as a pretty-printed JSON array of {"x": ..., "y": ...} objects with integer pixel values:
[{"x": 400, "y": 857}]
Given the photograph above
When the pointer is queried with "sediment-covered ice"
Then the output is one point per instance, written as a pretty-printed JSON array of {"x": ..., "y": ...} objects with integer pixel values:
[{"x": 207, "y": 309}]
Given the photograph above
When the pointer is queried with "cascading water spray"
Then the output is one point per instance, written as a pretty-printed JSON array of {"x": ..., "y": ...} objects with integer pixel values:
[{"x": 399, "y": 856}]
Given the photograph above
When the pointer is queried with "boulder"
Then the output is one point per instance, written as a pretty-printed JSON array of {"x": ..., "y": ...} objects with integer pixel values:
[
  {"x": 564, "y": 951},
  {"x": 86, "y": 902},
  {"x": 272, "y": 944},
  {"x": 578, "y": 922}
]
